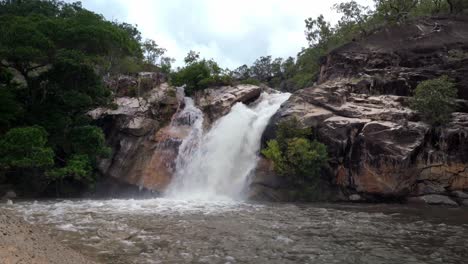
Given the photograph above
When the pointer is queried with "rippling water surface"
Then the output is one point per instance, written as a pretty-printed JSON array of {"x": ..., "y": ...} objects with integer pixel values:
[{"x": 171, "y": 231}]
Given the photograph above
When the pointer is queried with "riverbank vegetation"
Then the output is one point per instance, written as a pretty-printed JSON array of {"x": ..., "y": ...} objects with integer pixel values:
[
  {"x": 357, "y": 21},
  {"x": 435, "y": 100},
  {"x": 53, "y": 56},
  {"x": 298, "y": 158}
]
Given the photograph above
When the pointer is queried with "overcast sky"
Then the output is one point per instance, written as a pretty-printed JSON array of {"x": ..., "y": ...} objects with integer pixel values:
[{"x": 233, "y": 32}]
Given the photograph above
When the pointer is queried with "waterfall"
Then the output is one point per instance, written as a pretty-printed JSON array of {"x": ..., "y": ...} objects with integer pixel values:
[{"x": 217, "y": 165}]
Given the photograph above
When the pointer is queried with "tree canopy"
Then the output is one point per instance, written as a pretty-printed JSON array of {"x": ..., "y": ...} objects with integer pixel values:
[
  {"x": 53, "y": 55},
  {"x": 356, "y": 20}
]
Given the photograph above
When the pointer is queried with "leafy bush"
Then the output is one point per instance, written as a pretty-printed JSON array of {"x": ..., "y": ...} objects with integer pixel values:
[
  {"x": 78, "y": 167},
  {"x": 435, "y": 100},
  {"x": 198, "y": 75},
  {"x": 25, "y": 148},
  {"x": 295, "y": 156},
  {"x": 59, "y": 51},
  {"x": 251, "y": 81}
]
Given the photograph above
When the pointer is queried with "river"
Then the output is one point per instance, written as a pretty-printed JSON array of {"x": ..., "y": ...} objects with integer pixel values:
[{"x": 176, "y": 231}]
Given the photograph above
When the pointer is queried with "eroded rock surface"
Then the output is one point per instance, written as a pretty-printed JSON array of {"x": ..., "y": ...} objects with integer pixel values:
[
  {"x": 378, "y": 146},
  {"x": 218, "y": 102},
  {"x": 145, "y": 132}
]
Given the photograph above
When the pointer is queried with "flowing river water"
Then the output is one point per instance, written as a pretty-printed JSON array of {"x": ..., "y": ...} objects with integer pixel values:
[
  {"x": 177, "y": 231},
  {"x": 203, "y": 217}
]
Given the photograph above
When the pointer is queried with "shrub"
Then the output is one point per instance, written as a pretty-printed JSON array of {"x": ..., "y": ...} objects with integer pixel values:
[
  {"x": 199, "y": 75},
  {"x": 25, "y": 148},
  {"x": 251, "y": 81},
  {"x": 435, "y": 100},
  {"x": 294, "y": 155}
]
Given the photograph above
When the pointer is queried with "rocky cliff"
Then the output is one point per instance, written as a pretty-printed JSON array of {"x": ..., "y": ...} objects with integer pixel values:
[
  {"x": 379, "y": 148},
  {"x": 145, "y": 131}
]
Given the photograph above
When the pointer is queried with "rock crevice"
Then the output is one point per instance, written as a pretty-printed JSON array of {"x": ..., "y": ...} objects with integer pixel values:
[{"x": 379, "y": 147}]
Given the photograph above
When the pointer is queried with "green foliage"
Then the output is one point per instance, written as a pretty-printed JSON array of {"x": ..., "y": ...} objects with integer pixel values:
[
  {"x": 198, "y": 74},
  {"x": 78, "y": 167},
  {"x": 25, "y": 148},
  {"x": 251, "y": 81},
  {"x": 356, "y": 21},
  {"x": 435, "y": 100},
  {"x": 89, "y": 140},
  {"x": 60, "y": 50},
  {"x": 295, "y": 156}
]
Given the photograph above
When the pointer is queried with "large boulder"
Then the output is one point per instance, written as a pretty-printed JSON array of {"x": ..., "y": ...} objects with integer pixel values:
[
  {"x": 140, "y": 156},
  {"x": 378, "y": 146},
  {"x": 217, "y": 102}
]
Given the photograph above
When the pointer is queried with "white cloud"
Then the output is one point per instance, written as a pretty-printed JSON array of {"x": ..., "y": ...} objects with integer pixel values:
[{"x": 233, "y": 32}]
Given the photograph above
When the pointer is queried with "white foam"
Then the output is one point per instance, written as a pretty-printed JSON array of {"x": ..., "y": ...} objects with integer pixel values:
[{"x": 217, "y": 166}]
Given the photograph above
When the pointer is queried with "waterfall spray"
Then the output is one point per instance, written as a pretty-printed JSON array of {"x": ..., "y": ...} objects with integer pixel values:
[{"x": 217, "y": 165}]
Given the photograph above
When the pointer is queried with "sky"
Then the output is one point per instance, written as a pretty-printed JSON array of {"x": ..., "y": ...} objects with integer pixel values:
[{"x": 232, "y": 32}]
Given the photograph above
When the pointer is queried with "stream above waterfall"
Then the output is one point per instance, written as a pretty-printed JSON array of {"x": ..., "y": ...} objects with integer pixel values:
[{"x": 177, "y": 231}]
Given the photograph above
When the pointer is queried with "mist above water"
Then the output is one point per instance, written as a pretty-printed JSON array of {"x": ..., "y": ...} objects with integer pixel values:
[{"x": 216, "y": 165}]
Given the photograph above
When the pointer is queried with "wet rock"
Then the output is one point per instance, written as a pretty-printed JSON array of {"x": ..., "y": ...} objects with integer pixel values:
[
  {"x": 218, "y": 102},
  {"x": 377, "y": 145},
  {"x": 460, "y": 194},
  {"x": 141, "y": 155},
  {"x": 134, "y": 85},
  {"x": 464, "y": 202},
  {"x": 9, "y": 195},
  {"x": 355, "y": 198},
  {"x": 145, "y": 132},
  {"x": 429, "y": 187},
  {"x": 432, "y": 199}
]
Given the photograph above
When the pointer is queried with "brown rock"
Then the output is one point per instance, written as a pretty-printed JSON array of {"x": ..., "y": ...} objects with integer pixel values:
[
  {"x": 432, "y": 199},
  {"x": 360, "y": 110},
  {"x": 218, "y": 102}
]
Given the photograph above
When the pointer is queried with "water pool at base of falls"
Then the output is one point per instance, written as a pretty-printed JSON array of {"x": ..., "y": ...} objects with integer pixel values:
[{"x": 177, "y": 231}]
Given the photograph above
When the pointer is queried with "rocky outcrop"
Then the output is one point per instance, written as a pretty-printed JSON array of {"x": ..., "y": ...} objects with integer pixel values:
[
  {"x": 216, "y": 103},
  {"x": 145, "y": 132},
  {"x": 139, "y": 153},
  {"x": 134, "y": 85},
  {"x": 378, "y": 147}
]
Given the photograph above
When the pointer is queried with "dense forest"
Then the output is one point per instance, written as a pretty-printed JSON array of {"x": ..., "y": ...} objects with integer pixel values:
[{"x": 54, "y": 55}]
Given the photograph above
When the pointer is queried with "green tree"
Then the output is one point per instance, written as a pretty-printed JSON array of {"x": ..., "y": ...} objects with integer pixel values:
[
  {"x": 318, "y": 31},
  {"x": 58, "y": 53},
  {"x": 200, "y": 74},
  {"x": 435, "y": 100},
  {"x": 153, "y": 53},
  {"x": 90, "y": 141},
  {"x": 192, "y": 57},
  {"x": 295, "y": 155},
  {"x": 25, "y": 148},
  {"x": 78, "y": 168}
]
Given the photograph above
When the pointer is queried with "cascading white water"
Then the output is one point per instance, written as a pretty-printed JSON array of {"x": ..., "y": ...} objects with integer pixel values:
[{"x": 216, "y": 166}]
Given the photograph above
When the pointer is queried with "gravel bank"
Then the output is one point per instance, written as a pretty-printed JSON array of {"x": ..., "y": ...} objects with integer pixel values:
[{"x": 22, "y": 243}]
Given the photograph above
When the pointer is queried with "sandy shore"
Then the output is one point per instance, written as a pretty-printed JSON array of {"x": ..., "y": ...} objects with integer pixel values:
[{"x": 22, "y": 243}]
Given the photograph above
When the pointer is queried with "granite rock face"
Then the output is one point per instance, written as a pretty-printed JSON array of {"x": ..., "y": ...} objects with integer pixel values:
[
  {"x": 140, "y": 156},
  {"x": 216, "y": 103},
  {"x": 145, "y": 132},
  {"x": 378, "y": 147}
]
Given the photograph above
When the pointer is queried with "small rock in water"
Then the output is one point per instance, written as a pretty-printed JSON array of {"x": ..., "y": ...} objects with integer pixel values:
[
  {"x": 230, "y": 259},
  {"x": 284, "y": 239},
  {"x": 432, "y": 199},
  {"x": 355, "y": 198},
  {"x": 10, "y": 195},
  {"x": 460, "y": 194}
]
